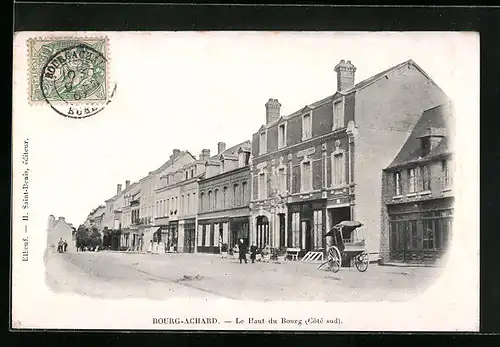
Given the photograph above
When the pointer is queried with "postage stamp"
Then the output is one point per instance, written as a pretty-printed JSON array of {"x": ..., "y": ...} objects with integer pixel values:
[{"x": 69, "y": 74}]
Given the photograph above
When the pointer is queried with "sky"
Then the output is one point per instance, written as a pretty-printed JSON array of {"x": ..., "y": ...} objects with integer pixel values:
[{"x": 192, "y": 90}]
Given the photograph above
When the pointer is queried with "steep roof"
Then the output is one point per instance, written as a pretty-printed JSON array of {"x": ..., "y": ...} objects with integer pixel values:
[
  {"x": 356, "y": 87},
  {"x": 438, "y": 117},
  {"x": 230, "y": 151}
]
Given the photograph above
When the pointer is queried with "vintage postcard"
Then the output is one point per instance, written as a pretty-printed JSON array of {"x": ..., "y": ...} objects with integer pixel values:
[{"x": 292, "y": 181}]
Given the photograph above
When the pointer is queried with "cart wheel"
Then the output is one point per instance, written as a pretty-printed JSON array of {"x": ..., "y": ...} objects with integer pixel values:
[
  {"x": 361, "y": 261},
  {"x": 334, "y": 259}
]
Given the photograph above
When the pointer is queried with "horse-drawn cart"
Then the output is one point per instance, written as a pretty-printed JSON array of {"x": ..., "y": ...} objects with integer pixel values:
[{"x": 348, "y": 243}]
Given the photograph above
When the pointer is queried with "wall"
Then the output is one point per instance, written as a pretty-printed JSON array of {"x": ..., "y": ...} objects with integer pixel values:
[{"x": 385, "y": 113}]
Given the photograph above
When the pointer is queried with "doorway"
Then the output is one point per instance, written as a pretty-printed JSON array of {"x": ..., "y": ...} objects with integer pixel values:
[
  {"x": 339, "y": 214},
  {"x": 282, "y": 229}
]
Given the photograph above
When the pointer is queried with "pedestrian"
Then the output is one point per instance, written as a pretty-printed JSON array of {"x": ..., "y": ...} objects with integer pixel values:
[
  {"x": 65, "y": 246},
  {"x": 253, "y": 252},
  {"x": 60, "y": 245},
  {"x": 243, "y": 251}
]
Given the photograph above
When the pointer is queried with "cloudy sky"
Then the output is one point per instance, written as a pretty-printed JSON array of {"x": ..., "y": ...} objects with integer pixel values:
[{"x": 191, "y": 90}]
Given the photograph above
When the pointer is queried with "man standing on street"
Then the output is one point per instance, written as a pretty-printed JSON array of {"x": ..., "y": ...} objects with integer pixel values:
[{"x": 243, "y": 251}]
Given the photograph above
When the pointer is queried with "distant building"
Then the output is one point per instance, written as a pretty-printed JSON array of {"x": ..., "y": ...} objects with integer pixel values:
[
  {"x": 175, "y": 190},
  {"x": 130, "y": 192},
  {"x": 224, "y": 196},
  {"x": 60, "y": 229},
  {"x": 323, "y": 163},
  {"x": 417, "y": 192}
]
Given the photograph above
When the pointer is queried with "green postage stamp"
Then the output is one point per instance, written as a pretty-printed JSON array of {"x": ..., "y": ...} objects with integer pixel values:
[{"x": 68, "y": 70}]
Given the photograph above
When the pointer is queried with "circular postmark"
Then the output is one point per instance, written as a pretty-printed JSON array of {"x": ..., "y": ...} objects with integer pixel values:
[{"x": 73, "y": 82}]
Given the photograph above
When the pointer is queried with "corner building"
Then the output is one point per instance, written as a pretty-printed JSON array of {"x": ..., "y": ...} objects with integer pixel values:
[{"x": 323, "y": 163}]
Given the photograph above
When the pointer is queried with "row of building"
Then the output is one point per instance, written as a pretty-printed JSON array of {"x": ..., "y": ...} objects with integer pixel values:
[{"x": 377, "y": 151}]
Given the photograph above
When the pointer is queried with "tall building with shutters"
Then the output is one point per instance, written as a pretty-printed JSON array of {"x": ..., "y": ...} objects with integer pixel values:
[
  {"x": 323, "y": 163},
  {"x": 224, "y": 196}
]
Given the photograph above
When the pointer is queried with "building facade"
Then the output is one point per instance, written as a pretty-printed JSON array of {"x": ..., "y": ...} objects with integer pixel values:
[
  {"x": 322, "y": 164},
  {"x": 418, "y": 199},
  {"x": 224, "y": 197},
  {"x": 174, "y": 211}
]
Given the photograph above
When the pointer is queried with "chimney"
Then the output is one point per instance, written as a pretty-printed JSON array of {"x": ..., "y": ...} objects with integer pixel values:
[
  {"x": 127, "y": 184},
  {"x": 272, "y": 110},
  {"x": 221, "y": 147},
  {"x": 62, "y": 219},
  {"x": 205, "y": 154},
  {"x": 176, "y": 152},
  {"x": 345, "y": 75},
  {"x": 118, "y": 188}
]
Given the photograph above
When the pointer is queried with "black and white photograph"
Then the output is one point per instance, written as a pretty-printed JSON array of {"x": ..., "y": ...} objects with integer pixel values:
[{"x": 304, "y": 181}]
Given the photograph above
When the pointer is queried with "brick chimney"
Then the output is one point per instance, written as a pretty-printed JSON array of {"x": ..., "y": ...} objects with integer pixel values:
[
  {"x": 118, "y": 188},
  {"x": 345, "y": 75},
  {"x": 272, "y": 110},
  {"x": 205, "y": 154},
  {"x": 127, "y": 184},
  {"x": 221, "y": 147}
]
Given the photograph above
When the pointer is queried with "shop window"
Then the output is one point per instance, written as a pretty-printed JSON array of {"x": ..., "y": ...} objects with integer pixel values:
[{"x": 428, "y": 239}]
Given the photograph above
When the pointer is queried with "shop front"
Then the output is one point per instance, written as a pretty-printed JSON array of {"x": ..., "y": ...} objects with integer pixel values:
[
  {"x": 172, "y": 236},
  {"x": 420, "y": 232},
  {"x": 212, "y": 234},
  {"x": 189, "y": 235},
  {"x": 306, "y": 225},
  {"x": 239, "y": 227}
]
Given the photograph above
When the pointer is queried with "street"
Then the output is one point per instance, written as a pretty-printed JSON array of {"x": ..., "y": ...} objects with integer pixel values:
[{"x": 116, "y": 275}]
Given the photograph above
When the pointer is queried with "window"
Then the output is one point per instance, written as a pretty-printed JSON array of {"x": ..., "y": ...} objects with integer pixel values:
[
  {"x": 188, "y": 209},
  {"x": 282, "y": 179},
  {"x": 281, "y": 136},
  {"x": 262, "y": 186},
  {"x": 157, "y": 208},
  {"x": 262, "y": 143},
  {"x": 397, "y": 183},
  {"x": 318, "y": 229},
  {"x": 295, "y": 239},
  {"x": 210, "y": 200},
  {"x": 182, "y": 204},
  {"x": 338, "y": 169},
  {"x": 187, "y": 174},
  {"x": 306, "y": 127},
  {"x": 236, "y": 195},
  {"x": 224, "y": 197},
  {"x": 176, "y": 205},
  {"x": 306, "y": 177},
  {"x": 428, "y": 239},
  {"x": 447, "y": 179},
  {"x": 216, "y": 199},
  {"x": 411, "y": 181},
  {"x": 200, "y": 235},
  {"x": 244, "y": 193},
  {"x": 202, "y": 202},
  {"x": 338, "y": 115},
  {"x": 192, "y": 173},
  {"x": 425, "y": 178}
]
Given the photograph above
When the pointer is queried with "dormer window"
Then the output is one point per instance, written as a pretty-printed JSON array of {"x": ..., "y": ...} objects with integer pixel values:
[
  {"x": 282, "y": 135},
  {"x": 338, "y": 114},
  {"x": 306, "y": 126},
  {"x": 262, "y": 142}
]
